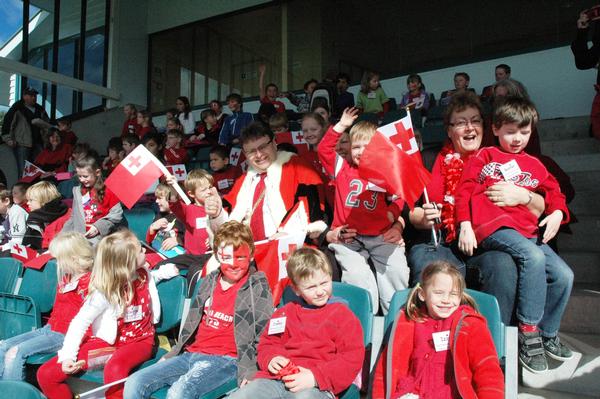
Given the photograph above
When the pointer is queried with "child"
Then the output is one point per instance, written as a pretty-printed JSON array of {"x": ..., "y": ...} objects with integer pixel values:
[
  {"x": 416, "y": 93},
  {"x": 96, "y": 211},
  {"x": 344, "y": 99},
  {"x": 323, "y": 110},
  {"x": 174, "y": 153},
  {"x": 278, "y": 123},
  {"x": 74, "y": 258},
  {"x": 45, "y": 210},
  {"x": 173, "y": 236},
  {"x": 545, "y": 280},
  {"x": 302, "y": 103},
  {"x": 317, "y": 351},
  {"x": 372, "y": 98},
  {"x": 130, "y": 141},
  {"x": 217, "y": 108},
  {"x": 154, "y": 143},
  {"x": 121, "y": 308},
  {"x": 66, "y": 134},
  {"x": 379, "y": 228},
  {"x": 235, "y": 123},
  {"x": 115, "y": 150},
  {"x": 19, "y": 190},
  {"x": 461, "y": 83},
  {"x": 130, "y": 126},
  {"x": 224, "y": 175},
  {"x": 14, "y": 219},
  {"x": 184, "y": 114},
  {"x": 145, "y": 125},
  {"x": 208, "y": 129},
  {"x": 270, "y": 93},
  {"x": 439, "y": 346},
  {"x": 220, "y": 334},
  {"x": 56, "y": 154}
]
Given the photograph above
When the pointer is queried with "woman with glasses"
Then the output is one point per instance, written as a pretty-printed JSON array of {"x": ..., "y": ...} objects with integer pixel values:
[{"x": 497, "y": 272}]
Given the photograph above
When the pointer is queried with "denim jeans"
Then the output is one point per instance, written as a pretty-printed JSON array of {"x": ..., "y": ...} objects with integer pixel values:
[
  {"x": 190, "y": 375},
  {"x": 12, "y": 362},
  {"x": 22, "y": 154},
  {"x": 262, "y": 388},
  {"x": 544, "y": 282},
  {"x": 421, "y": 255}
]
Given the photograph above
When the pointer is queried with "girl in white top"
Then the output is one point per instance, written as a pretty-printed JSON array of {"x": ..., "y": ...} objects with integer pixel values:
[{"x": 184, "y": 114}]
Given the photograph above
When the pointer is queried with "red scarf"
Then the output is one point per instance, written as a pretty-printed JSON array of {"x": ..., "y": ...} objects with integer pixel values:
[{"x": 452, "y": 167}]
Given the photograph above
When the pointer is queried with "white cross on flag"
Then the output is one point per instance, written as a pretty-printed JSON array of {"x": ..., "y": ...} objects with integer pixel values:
[
  {"x": 234, "y": 156},
  {"x": 22, "y": 253},
  {"x": 30, "y": 172},
  {"x": 132, "y": 177},
  {"x": 298, "y": 137},
  {"x": 178, "y": 171}
]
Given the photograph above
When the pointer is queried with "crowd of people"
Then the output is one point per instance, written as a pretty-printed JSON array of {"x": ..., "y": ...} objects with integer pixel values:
[{"x": 495, "y": 205}]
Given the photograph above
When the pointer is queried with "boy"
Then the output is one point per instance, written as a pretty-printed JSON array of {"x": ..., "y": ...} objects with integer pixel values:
[
  {"x": 224, "y": 175},
  {"x": 66, "y": 134},
  {"x": 18, "y": 195},
  {"x": 377, "y": 223},
  {"x": 130, "y": 141},
  {"x": 270, "y": 93},
  {"x": 14, "y": 221},
  {"x": 312, "y": 347},
  {"x": 220, "y": 333},
  {"x": 235, "y": 123},
  {"x": 545, "y": 280},
  {"x": 461, "y": 83},
  {"x": 174, "y": 153},
  {"x": 165, "y": 225},
  {"x": 280, "y": 127}
]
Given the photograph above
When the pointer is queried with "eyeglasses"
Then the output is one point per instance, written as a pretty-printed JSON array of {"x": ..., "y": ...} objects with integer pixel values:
[
  {"x": 261, "y": 148},
  {"x": 463, "y": 123}
]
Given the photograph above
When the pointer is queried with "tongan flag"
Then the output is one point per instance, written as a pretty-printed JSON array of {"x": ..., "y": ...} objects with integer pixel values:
[
  {"x": 402, "y": 134},
  {"x": 178, "y": 171},
  {"x": 22, "y": 253},
  {"x": 132, "y": 177},
  {"x": 30, "y": 172},
  {"x": 234, "y": 156}
]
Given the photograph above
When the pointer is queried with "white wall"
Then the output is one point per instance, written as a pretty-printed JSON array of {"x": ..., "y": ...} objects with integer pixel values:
[{"x": 554, "y": 84}]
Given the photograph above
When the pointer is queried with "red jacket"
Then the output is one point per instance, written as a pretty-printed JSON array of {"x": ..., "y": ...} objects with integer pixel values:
[
  {"x": 175, "y": 156},
  {"x": 55, "y": 160},
  {"x": 476, "y": 369}
]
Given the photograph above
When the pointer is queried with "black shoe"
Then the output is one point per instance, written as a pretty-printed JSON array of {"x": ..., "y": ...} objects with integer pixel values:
[
  {"x": 556, "y": 349},
  {"x": 532, "y": 355}
]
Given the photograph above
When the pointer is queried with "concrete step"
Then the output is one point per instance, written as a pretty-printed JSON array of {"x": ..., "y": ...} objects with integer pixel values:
[
  {"x": 555, "y": 148},
  {"x": 581, "y": 315},
  {"x": 585, "y": 237},
  {"x": 579, "y": 163},
  {"x": 585, "y": 202},
  {"x": 585, "y": 180},
  {"x": 585, "y": 265},
  {"x": 564, "y": 128}
]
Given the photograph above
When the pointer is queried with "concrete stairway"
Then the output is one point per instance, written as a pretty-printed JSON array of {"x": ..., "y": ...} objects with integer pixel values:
[{"x": 568, "y": 143}]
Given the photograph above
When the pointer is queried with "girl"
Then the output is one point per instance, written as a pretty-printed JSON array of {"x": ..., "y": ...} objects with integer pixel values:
[
  {"x": 121, "y": 308},
  {"x": 55, "y": 155},
  {"x": 416, "y": 94},
  {"x": 185, "y": 115},
  {"x": 46, "y": 211},
  {"x": 313, "y": 129},
  {"x": 439, "y": 345},
  {"x": 74, "y": 257},
  {"x": 371, "y": 97},
  {"x": 174, "y": 123},
  {"x": 96, "y": 210},
  {"x": 145, "y": 125},
  {"x": 216, "y": 106}
]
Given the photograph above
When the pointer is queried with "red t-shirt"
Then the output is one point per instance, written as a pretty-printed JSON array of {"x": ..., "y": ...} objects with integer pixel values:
[
  {"x": 68, "y": 137},
  {"x": 141, "y": 131},
  {"x": 175, "y": 156},
  {"x": 136, "y": 323},
  {"x": 55, "y": 160},
  {"x": 67, "y": 302},
  {"x": 195, "y": 220},
  {"x": 279, "y": 106},
  {"x": 223, "y": 180},
  {"x": 130, "y": 126},
  {"x": 94, "y": 209},
  {"x": 216, "y": 335}
]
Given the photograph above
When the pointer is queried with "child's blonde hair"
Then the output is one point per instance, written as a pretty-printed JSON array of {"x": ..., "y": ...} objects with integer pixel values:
[
  {"x": 197, "y": 177},
  {"x": 235, "y": 234},
  {"x": 163, "y": 190},
  {"x": 42, "y": 192},
  {"x": 304, "y": 262},
  {"x": 316, "y": 117},
  {"x": 415, "y": 307},
  {"x": 362, "y": 131},
  {"x": 73, "y": 252},
  {"x": 115, "y": 267}
]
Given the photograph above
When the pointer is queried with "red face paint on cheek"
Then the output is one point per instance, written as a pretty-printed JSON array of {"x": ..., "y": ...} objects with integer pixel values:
[{"x": 234, "y": 262}]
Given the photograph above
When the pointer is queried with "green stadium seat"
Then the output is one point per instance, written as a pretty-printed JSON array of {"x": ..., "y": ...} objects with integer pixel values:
[
  {"x": 19, "y": 390},
  {"x": 139, "y": 219},
  {"x": 10, "y": 271},
  {"x": 18, "y": 314},
  {"x": 40, "y": 285}
]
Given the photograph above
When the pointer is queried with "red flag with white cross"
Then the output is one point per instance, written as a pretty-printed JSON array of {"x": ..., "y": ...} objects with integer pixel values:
[
  {"x": 30, "y": 172},
  {"x": 178, "y": 171},
  {"x": 22, "y": 253},
  {"x": 402, "y": 134},
  {"x": 132, "y": 177}
]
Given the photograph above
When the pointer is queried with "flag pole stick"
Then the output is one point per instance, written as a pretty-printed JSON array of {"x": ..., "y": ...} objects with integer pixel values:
[
  {"x": 176, "y": 186},
  {"x": 425, "y": 194}
]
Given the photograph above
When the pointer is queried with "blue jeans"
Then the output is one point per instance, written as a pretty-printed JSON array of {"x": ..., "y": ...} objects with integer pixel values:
[
  {"x": 22, "y": 154},
  {"x": 12, "y": 362},
  {"x": 262, "y": 388},
  {"x": 544, "y": 282},
  {"x": 189, "y": 374},
  {"x": 421, "y": 255}
]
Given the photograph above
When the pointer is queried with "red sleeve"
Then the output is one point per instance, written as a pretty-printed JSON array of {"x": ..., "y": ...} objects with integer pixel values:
[
  {"x": 487, "y": 380},
  {"x": 231, "y": 197},
  {"x": 270, "y": 346},
  {"x": 326, "y": 150},
  {"x": 466, "y": 186},
  {"x": 396, "y": 208},
  {"x": 378, "y": 384},
  {"x": 178, "y": 208},
  {"x": 554, "y": 198},
  {"x": 150, "y": 236},
  {"x": 386, "y": 106}
]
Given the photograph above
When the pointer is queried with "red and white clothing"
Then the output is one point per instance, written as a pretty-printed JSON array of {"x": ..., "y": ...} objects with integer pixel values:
[
  {"x": 483, "y": 170},
  {"x": 327, "y": 340},
  {"x": 130, "y": 126},
  {"x": 67, "y": 302},
  {"x": 288, "y": 137},
  {"x": 224, "y": 179},
  {"x": 55, "y": 160},
  {"x": 175, "y": 156},
  {"x": 354, "y": 204},
  {"x": 194, "y": 217},
  {"x": 215, "y": 334},
  {"x": 279, "y": 106},
  {"x": 93, "y": 208},
  {"x": 141, "y": 131}
]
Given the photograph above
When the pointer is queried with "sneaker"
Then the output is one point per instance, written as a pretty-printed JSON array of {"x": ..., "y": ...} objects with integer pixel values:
[
  {"x": 532, "y": 355},
  {"x": 556, "y": 349}
]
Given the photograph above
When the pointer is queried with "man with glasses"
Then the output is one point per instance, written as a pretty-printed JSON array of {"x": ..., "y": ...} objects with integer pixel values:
[{"x": 274, "y": 183}]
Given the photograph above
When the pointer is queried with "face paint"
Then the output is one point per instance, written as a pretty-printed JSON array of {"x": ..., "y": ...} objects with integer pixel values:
[{"x": 234, "y": 262}]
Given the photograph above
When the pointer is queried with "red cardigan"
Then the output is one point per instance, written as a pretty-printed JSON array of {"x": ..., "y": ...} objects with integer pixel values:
[{"x": 477, "y": 372}]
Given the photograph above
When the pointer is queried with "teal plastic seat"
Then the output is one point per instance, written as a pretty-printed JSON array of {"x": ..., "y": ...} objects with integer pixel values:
[
  {"x": 139, "y": 219},
  {"x": 359, "y": 301},
  {"x": 19, "y": 390},
  {"x": 18, "y": 314},
  {"x": 40, "y": 285},
  {"x": 10, "y": 271}
]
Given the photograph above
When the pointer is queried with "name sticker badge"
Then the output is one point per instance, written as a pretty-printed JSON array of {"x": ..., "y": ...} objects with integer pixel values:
[
  {"x": 277, "y": 325},
  {"x": 510, "y": 169},
  {"x": 441, "y": 340},
  {"x": 70, "y": 287},
  {"x": 86, "y": 198},
  {"x": 371, "y": 95},
  {"x": 201, "y": 223},
  {"x": 133, "y": 313},
  {"x": 223, "y": 184}
]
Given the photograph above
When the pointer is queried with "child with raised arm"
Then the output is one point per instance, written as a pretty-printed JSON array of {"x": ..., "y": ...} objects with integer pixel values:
[
  {"x": 74, "y": 260},
  {"x": 313, "y": 347},
  {"x": 439, "y": 345},
  {"x": 545, "y": 280},
  {"x": 221, "y": 331},
  {"x": 377, "y": 221},
  {"x": 270, "y": 92}
]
